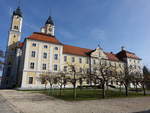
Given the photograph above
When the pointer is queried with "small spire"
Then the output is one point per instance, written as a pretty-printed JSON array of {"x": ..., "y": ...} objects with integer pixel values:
[
  {"x": 122, "y": 48},
  {"x": 99, "y": 46},
  {"x": 49, "y": 21}
]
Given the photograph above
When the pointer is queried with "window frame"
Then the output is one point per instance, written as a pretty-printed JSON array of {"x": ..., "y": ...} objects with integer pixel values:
[
  {"x": 80, "y": 60},
  {"x": 55, "y": 56},
  {"x": 56, "y": 48},
  {"x": 45, "y": 46},
  {"x": 30, "y": 80},
  {"x": 72, "y": 59},
  {"x": 65, "y": 58},
  {"x": 45, "y": 55},
  {"x": 33, "y": 54},
  {"x": 44, "y": 67},
  {"x": 33, "y": 44},
  {"x": 32, "y": 65},
  {"x": 55, "y": 67}
]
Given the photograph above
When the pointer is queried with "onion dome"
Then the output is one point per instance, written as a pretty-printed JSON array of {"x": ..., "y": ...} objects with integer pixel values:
[
  {"x": 18, "y": 12},
  {"x": 49, "y": 21}
]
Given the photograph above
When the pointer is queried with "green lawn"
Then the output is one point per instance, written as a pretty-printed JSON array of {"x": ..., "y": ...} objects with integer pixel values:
[{"x": 87, "y": 94}]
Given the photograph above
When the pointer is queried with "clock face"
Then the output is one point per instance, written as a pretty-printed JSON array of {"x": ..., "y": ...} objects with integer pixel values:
[{"x": 50, "y": 29}]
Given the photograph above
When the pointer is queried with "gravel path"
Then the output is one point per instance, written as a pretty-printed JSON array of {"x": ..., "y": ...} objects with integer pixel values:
[
  {"x": 28, "y": 102},
  {"x": 5, "y": 106}
]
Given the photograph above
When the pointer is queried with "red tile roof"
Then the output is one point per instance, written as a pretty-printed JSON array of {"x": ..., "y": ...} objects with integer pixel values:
[
  {"x": 20, "y": 44},
  {"x": 126, "y": 54},
  {"x": 43, "y": 37},
  {"x": 68, "y": 49},
  {"x": 112, "y": 56}
]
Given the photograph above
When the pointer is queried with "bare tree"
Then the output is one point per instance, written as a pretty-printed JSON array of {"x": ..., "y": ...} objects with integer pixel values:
[
  {"x": 50, "y": 78},
  {"x": 43, "y": 79},
  {"x": 61, "y": 80},
  {"x": 75, "y": 75},
  {"x": 103, "y": 73},
  {"x": 129, "y": 75}
]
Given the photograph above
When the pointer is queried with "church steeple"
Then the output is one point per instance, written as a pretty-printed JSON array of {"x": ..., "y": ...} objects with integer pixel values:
[
  {"x": 49, "y": 21},
  {"x": 49, "y": 27},
  {"x": 12, "y": 44},
  {"x": 18, "y": 12}
]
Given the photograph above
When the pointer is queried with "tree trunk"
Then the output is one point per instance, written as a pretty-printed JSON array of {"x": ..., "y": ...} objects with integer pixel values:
[
  {"x": 136, "y": 88},
  {"x": 103, "y": 90},
  {"x": 74, "y": 91},
  {"x": 74, "y": 86},
  {"x": 45, "y": 86},
  {"x": 50, "y": 90},
  {"x": 60, "y": 90},
  {"x": 144, "y": 91},
  {"x": 120, "y": 87},
  {"x": 126, "y": 88},
  {"x": 107, "y": 85}
]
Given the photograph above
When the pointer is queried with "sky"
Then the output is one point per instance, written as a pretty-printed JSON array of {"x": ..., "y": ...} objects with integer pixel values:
[{"x": 86, "y": 23}]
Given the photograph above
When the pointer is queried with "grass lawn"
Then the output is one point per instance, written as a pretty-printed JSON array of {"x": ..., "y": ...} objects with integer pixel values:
[{"x": 87, "y": 94}]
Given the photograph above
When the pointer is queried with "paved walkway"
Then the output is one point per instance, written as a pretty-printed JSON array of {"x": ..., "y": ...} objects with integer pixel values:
[
  {"x": 38, "y": 103},
  {"x": 5, "y": 106}
]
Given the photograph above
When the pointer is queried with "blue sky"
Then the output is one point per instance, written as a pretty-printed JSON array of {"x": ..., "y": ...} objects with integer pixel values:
[{"x": 86, "y": 23}]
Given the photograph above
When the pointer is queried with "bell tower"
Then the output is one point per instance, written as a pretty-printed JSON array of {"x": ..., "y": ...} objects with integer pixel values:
[
  {"x": 49, "y": 27},
  {"x": 15, "y": 28},
  {"x": 14, "y": 36}
]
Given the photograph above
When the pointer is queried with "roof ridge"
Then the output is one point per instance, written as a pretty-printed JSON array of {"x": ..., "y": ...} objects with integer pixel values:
[
  {"x": 44, "y": 34},
  {"x": 77, "y": 47}
]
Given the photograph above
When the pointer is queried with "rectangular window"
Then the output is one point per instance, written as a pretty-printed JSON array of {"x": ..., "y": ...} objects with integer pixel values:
[
  {"x": 65, "y": 58},
  {"x": 80, "y": 60},
  {"x": 34, "y": 44},
  {"x": 33, "y": 54},
  {"x": 44, "y": 66},
  {"x": 45, "y": 55},
  {"x": 65, "y": 68},
  {"x": 32, "y": 65},
  {"x": 56, "y": 56},
  {"x": 45, "y": 46},
  {"x": 73, "y": 59},
  {"x": 55, "y": 67},
  {"x": 30, "y": 80}
]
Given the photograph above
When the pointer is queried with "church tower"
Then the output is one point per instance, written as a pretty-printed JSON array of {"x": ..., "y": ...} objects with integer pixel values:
[
  {"x": 49, "y": 27},
  {"x": 14, "y": 36}
]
